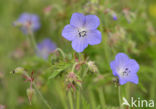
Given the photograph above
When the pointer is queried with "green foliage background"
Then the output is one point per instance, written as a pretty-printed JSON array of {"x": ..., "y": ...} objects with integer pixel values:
[{"x": 139, "y": 42}]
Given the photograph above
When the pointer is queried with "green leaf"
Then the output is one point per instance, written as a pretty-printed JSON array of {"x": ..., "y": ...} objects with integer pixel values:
[
  {"x": 53, "y": 75},
  {"x": 57, "y": 69}
]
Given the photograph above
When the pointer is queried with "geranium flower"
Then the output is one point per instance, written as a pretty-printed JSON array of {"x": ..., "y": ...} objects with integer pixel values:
[
  {"x": 114, "y": 16},
  {"x": 82, "y": 31},
  {"x": 45, "y": 48},
  {"x": 125, "y": 68},
  {"x": 28, "y": 22}
]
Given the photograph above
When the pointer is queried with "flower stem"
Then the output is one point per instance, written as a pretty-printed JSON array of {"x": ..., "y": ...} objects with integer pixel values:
[
  {"x": 60, "y": 50},
  {"x": 101, "y": 96},
  {"x": 85, "y": 72},
  {"x": 128, "y": 90},
  {"x": 78, "y": 100},
  {"x": 92, "y": 99},
  {"x": 119, "y": 95},
  {"x": 43, "y": 99},
  {"x": 73, "y": 68},
  {"x": 33, "y": 41},
  {"x": 70, "y": 100},
  {"x": 62, "y": 97}
]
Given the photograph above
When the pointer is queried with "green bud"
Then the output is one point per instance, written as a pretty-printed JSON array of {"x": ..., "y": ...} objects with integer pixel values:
[
  {"x": 18, "y": 70},
  {"x": 73, "y": 81},
  {"x": 30, "y": 93}
]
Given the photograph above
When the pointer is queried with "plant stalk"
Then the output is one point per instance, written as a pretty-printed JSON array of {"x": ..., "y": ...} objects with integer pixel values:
[
  {"x": 43, "y": 99},
  {"x": 70, "y": 100},
  {"x": 33, "y": 41},
  {"x": 102, "y": 99},
  {"x": 78, "y": 100},
  {"x": 119, "y": 95}
]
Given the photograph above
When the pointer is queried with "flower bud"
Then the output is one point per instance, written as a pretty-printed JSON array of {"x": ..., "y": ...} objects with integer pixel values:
[
  {"x": 150, "y": 28},
  {"x": 2, "y": 107},
  {"x": 92, "y": 67},
  {"x": 116, "y": 82},
  {"x": 72, "y": 81},
  {"x": 130, "y": 16},
  {"x": 30, "y": 93},
  {"x": 47, "y": 10},
  {"x": 114, "y": 16},
  {"x": 131, "y": 47},
  {"x": 18, "y": 70},
  {"x": 91, "y": 7}
]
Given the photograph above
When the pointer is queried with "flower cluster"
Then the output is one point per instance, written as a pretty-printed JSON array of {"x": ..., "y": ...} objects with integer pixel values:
[
  {"x": 82, "y": 31},
  {"x": 72, "y": 81}
]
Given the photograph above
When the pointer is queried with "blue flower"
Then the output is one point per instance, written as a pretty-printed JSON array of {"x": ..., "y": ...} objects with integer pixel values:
[
  {"x": 82, "y": 31},
  {"x": 114, "y": 16},
  {"x": 125, "y": 68},
  {"x": 28, "y": 22},
  {"x": 45, "y": 48}
]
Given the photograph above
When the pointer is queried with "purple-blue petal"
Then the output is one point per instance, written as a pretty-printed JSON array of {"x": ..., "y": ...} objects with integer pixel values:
[
  {"x": 133, "y": 78},
  {"x": 24, "y": 17},
  {"x": 113, "y": 67},
  {"x": 133, "y": 66},
  {"x": 36, "y": 22},
  {"x": 79, "y": 44},
  {"x": 115, "y": 17},
  {"x": 122, "y": 81},
  {"x": 77, "y": 20},
  {"x": 92, "y": 22},
  {"x": 70, "y": 32},
  {"x": 29, "y": 18},
  {"x": 121, "y": 59},
  {"x": 94, "y": 37},
  {"x": 45, "y": 48},
  {"x": 82, "y": 31}
]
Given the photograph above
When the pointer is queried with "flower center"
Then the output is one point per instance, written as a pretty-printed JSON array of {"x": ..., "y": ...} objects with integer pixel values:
[
  {"x": 82, "y": 34},
  {"x": 28, "y": 24},
  {"x": 126, "y": 72}
]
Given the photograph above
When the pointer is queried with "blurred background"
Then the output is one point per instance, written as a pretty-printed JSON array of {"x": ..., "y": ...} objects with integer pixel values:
[{"x": 126, "y": 26}]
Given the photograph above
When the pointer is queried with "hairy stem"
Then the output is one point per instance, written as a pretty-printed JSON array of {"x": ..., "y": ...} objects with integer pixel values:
[
  {"x": 73, "y": 68},
  {"x": 60, "y": 50},
  {"x": 33, "y": 41},
  {"x": 43, "y": 99}
]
